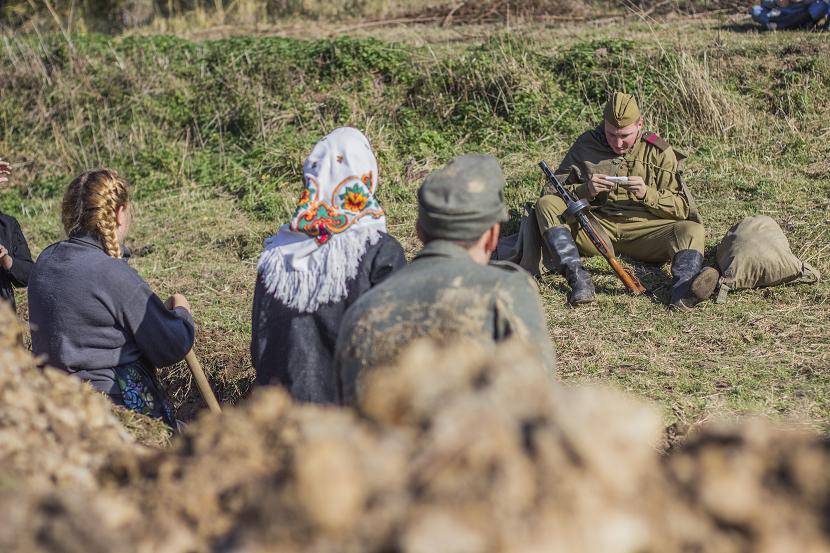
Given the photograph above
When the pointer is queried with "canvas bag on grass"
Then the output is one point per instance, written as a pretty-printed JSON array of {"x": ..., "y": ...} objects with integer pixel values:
[
  {"x": 525, "y": 247},
  {"x": 755, "y": 253}
]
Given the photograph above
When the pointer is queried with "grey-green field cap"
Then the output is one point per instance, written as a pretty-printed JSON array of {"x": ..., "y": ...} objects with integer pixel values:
[{"x": 463, "y": 199}]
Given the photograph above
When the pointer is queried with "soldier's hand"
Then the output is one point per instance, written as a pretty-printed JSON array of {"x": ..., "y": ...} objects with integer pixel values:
[
  {"x": 636, "y": 186},
  {"x": 599, "y": 183}
]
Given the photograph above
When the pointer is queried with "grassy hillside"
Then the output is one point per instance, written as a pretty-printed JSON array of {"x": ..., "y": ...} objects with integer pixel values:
[{"x": 213, "y": 134}]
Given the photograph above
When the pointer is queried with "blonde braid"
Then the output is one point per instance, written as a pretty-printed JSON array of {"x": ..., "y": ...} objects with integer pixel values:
[
  {"x": 107, "y": 224},
  {"x": 90, "y": 205}
]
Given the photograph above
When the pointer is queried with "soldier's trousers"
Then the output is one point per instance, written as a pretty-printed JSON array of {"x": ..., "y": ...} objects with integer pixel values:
[{"x": 651, "y": 240}]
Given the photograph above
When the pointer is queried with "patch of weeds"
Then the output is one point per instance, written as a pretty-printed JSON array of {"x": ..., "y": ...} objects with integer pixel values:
[
  {"x": 493, "y": 95},
  {"x": 346, "y": 58},
  {"x": 12, "y": 201},
  {"x": 591, "y": 69},
  {"x": 153, "y": 170}
]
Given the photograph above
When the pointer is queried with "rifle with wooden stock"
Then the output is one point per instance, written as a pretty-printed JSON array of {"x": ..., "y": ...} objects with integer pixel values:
[{"x": 576, "y": 209}]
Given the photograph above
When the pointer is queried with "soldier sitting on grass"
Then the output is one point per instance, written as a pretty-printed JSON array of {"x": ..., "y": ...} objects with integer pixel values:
[
  {"x": 15, "y": 258},
  {"x": 451, "y": 289},
  {"x": 650, "y": 216}
]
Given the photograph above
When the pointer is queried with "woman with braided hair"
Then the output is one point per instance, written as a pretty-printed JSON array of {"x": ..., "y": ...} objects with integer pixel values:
[{"x": 92, "y": 314}]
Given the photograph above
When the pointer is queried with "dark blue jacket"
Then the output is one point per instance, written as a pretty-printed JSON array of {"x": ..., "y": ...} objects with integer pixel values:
[
  {"x": 91, "y": 311},
  {"x": 11, "y": 237},
  {"x": 296, "y": 350}
]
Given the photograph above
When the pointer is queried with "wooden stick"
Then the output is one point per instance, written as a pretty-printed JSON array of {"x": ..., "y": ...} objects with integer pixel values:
[{"x": 202, "y": 382}]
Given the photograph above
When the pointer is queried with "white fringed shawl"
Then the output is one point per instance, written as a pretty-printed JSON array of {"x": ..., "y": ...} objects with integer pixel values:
[
  {"x": 303, "y": 270},
  {"x": 323, "y": 275}
]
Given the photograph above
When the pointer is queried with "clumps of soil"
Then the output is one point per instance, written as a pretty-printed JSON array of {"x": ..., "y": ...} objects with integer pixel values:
[
  {"x": 267, "y": 474},
  {"x": 750, "y": 486},
  {"x": 54, "y": 430},
  {"x": 67, "y": 521},
  {"x": 449, "y": 450},
  {"x": 514, "y": 461},
  {"x": 455, "y": 449},
  {"x": 55, "y": 435}
]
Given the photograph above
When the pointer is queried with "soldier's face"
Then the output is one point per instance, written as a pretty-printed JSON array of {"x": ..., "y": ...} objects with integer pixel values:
[{"x": 622, "y": 139}]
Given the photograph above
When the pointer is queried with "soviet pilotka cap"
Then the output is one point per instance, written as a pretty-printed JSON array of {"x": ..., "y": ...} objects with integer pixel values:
[
  {"x": 622, "y": 110},
  {"x": 463, "y": 199}
]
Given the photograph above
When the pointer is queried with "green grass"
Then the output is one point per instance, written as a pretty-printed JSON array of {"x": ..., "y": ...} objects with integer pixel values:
[{"x": 213, "y": 134}]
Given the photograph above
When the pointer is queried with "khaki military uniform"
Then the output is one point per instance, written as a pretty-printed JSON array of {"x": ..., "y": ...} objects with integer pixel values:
[
  {"x": 653, "y": 229},
  {"x": 442, "y": 295}
]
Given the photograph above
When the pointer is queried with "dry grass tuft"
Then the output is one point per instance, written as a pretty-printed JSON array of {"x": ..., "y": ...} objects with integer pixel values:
[{"x": 697, "y": 97}]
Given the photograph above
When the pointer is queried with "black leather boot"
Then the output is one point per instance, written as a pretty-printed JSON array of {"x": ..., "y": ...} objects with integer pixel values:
[
  {"x": 684, "y": 268},
  {"x": 565, "y": 255}
]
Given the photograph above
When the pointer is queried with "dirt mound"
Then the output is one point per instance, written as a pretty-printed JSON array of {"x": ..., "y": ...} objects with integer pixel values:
[
  {"x": 54, "y": 430},
  {"x": 319, "y": 471},
  {"x": 750, "y": 486},
  {"x": 515, "y": 461},
  {"x": 55, "y": 435},
  {"x": 456, "y": 449},
  {"x": 449, "y": 450},
  {"x": 67, "y": 521}
]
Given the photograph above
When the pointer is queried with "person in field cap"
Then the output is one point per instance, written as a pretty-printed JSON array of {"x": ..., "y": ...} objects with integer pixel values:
[
  {"x": 650, "y": 216},
  {"x": 451, "y": 290}
]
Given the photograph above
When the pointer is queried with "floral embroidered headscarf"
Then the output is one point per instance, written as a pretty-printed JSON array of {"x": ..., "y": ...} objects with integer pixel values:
[
  {"x": 340, "y": 177},
  {"x": 310, "y": 260}
]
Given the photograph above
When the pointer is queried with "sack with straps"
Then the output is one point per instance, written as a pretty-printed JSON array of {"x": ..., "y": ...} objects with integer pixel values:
[{"x": 755, "y": 253}]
